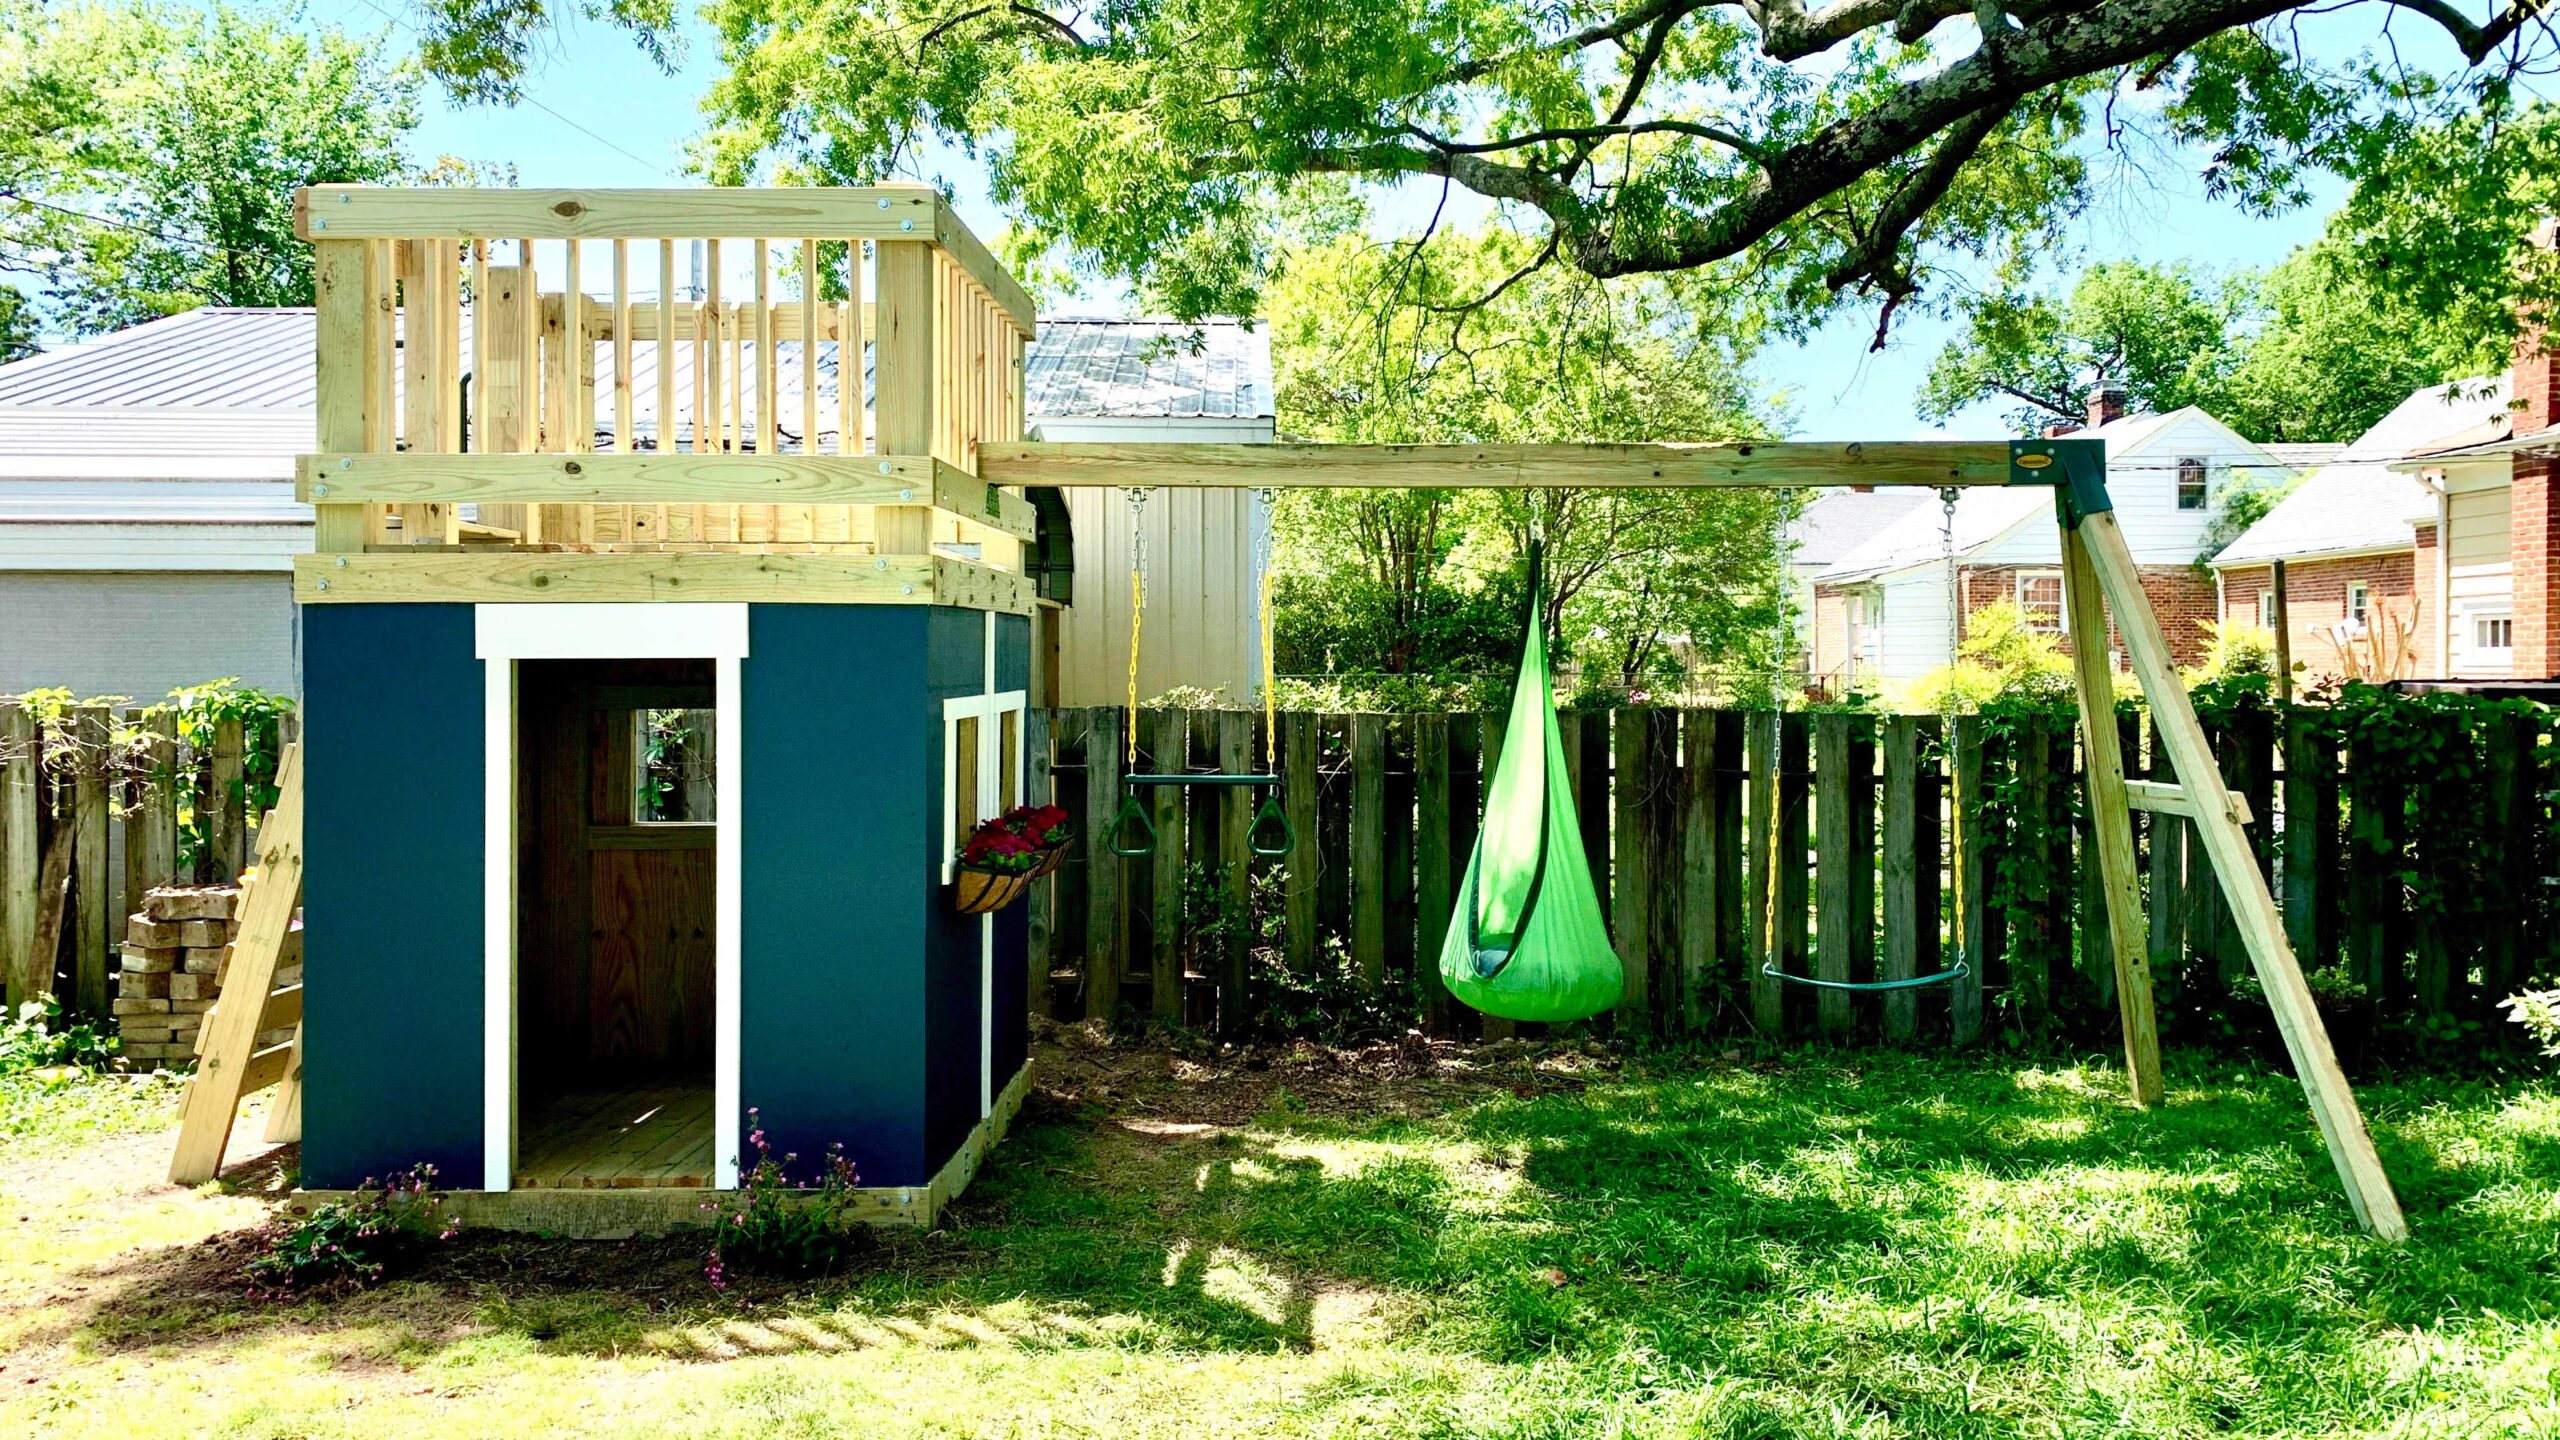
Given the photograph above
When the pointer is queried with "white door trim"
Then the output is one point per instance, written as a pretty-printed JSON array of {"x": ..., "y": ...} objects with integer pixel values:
[{"x": 507, "y": 633}]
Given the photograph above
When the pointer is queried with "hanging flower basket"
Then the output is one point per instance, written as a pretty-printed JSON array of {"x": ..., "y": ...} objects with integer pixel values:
[
  {"x": 1002, "y": 856},
  {"x": 983, "y": 892}
]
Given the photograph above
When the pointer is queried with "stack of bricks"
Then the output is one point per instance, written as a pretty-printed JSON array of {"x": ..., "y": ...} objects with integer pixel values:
[{"x": 174, "y": 953}]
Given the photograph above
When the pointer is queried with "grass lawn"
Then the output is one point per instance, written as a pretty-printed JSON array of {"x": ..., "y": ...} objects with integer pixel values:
[{"x": 1411, "y": 1242}]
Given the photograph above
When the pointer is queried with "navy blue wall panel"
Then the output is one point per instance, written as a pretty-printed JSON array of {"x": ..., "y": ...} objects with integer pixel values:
[
  {"x": 841, "y": 762},
  {"x": 392, "y": 782},
  {"x": 1012, "y": 1037}
]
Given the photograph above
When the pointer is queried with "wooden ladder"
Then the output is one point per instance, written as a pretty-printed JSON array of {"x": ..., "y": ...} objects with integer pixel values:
[{"x": 229, "y": 1064}]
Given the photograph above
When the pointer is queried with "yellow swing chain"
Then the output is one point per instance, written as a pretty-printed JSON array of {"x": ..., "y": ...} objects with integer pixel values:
[
  {"x": 1778, "y": 736},
  {"x": 1947, "y": 710},
  {"x": 1270, "y": 668},
  {"x": 1137, "y": 611}
]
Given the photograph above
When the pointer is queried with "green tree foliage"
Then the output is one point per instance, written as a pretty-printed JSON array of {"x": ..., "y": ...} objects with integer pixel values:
[
  {"x": 2316, "y": 348},
  {"x": 1468, "y": 339},
  {"x": 1846, "y": 147},
  {"x": 176, "y": 141}
]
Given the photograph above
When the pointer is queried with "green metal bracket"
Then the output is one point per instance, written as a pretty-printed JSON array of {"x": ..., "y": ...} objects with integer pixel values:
[{"x": 2075, "y": 468}]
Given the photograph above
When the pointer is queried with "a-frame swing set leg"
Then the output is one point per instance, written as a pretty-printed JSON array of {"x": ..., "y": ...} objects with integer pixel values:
[{"x": 2098, "y": 544}]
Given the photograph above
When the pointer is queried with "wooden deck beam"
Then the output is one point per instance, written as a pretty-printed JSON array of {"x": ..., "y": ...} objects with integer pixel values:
[
  {"x": 388, "y": 578},
  {"x": 1775, "y": 464}
]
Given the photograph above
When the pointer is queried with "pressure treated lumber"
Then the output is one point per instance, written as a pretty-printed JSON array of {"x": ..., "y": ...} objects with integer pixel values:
[
  {"x": 655, "y": 478},
  {"x": 232, "y": 1066},
  {"x": 1495, "y": 467},
  {"x": 2110, "y": 822},
  {"x": 803, "y": 579},
  {"x": 2226, "y": 846}
]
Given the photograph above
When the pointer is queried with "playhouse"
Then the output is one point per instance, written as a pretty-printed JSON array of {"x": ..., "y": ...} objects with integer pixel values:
[{"x": 645, "y": 712}]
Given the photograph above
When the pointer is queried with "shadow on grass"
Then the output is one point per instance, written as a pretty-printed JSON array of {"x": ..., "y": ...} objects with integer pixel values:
[{"x": 1895, "y": 1233}]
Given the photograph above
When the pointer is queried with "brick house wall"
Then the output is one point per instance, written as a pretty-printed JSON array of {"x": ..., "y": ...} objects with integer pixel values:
[
  {"x": 2316, "y": 598},
  {"x": 2426, "y": 576},
  {"x": 2179, "y": 596},
  {"x": 2534, "y": 518}
]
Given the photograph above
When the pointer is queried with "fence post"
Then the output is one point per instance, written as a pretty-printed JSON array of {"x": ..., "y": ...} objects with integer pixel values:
[
  {"x": 1669, "y": 840},
  {"x": 1171, "y": 755},
  {"x": 93, "y": 887},
  {"x": 2512, "y": 874},
  {"x": 1835, "y": 900},
  {"x": 1434, "y": 876},
  {"x": 229, "y": 801},
  {"x": 2165, "y": 932},
  {"x": 1369, "y": 850},
  {"x": 1235, "y": 827},
  {"x": 20, "y": 861},
  {"x": 1702, "y": 916},
  {"x": 1901, "y": 958},
  {"x": 1301, "y": 791},
  {"x": 151, "y": 829},
  {"x": 1631, "y": 868},
  {"x": 1761, "y": 947},
  {"x": 1041, "y": 908},
  {"x": 1489, "y": 759},
  {"x": 1795, "y": 854},
  {"x": 1103, "y": 961},
  {"x": 1971, "y": 868}
]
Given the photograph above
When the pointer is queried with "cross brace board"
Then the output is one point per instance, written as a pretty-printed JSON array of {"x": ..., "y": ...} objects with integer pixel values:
[{"x": 229, "y": 1064}]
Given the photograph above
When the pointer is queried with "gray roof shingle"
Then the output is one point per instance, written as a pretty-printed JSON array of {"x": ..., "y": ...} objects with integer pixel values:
[{"x": 2353, "y": 503}]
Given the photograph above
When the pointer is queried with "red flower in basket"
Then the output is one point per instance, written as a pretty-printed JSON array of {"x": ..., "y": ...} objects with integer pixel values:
[
  {"x": 994, "y": 847},
  {"x": 1042, "y": 825}
]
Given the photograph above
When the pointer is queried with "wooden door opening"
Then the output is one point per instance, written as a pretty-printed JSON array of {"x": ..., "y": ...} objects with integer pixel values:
[{"x": 615, "y": 923}]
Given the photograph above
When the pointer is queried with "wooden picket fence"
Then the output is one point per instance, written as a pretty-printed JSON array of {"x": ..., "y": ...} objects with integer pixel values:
[
  {"x": 98, "y": 805},
  {"x": 1675, "y": 807}
]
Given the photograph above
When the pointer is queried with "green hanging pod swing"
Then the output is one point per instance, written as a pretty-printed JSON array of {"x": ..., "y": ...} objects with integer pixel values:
[{"x": 1528, "y": 941}]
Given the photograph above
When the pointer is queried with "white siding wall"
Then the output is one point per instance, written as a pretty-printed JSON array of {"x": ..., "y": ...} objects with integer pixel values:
[
  {"x": 1201, "y": 624},
  {"x": 143, "y": 634},
  {"x": 2144, "y": 485},
  {"x": 2479, "y": 565},
  {"x": 1915, "y": 623}
]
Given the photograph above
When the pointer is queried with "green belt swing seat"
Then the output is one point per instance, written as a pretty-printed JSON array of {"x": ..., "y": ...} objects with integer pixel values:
[{"x": 1528, "y": 941}]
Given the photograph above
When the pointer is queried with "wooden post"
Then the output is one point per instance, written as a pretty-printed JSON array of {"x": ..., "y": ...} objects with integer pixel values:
[
  {"x": 1301, "y": 794},
  {"x": 231, "y": 1065},
  {"x": 1703, "y": 862},
  {"x": 1834, "y": 895},
  {"x": 1434, "y": 866},
  {"x": 1489, "y": 759},
  {"x": 2227, "y": 849},
  {"x": 1902, "y": 914},
  {"x": 339, "y": 392},
  {"x": 227, "y": 800},
  {"x": 1631, "y": 868},
  {"x": 1170, "y": 732},
  {"x": 1976, "y": 928},
  {"x": 906, "y": 354},
  {"x": 1235, "y": 828},
  {"x": 20, "y": 863},
  {"x": 2111, "y": 821},
  {"x": 1666, "y": 837},
  {"x": 1102, "y": 953},
  {"x": 93, "y": 888},
  {"x": 1369, "y": 850},
  {"x": 1795, "y": 850},
  {"x": 1768, "y": 997}
]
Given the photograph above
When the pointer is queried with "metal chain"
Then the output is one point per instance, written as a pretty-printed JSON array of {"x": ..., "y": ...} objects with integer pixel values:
[
  {"x": 1264, "y": 542},
  {"x": 1947, "y": 716},
  {"x": 1137, "y": 607}
]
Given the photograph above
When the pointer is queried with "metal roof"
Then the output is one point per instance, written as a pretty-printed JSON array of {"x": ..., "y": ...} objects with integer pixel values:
[
  {"x": 173, "y": 385},
  {"x": 2356, "y": 503}
]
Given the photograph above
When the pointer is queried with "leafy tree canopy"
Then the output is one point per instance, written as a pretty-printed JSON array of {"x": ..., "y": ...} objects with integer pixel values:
[
  {"x": 1817, "y": 149},
  {"x": 2316, "y": 348},
  {"x": 152, "y": 153},
  {"x": 1464, "y": 341}
]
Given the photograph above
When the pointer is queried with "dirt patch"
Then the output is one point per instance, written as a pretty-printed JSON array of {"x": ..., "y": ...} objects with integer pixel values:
[{"x": 1080, "y": 1066}]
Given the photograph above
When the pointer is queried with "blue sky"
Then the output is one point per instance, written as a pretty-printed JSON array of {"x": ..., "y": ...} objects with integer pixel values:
[{"x": 637, "y": 120}]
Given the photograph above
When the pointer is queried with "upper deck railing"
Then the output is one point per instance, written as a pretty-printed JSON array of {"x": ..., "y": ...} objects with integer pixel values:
[{"x": 747, "y": 390}]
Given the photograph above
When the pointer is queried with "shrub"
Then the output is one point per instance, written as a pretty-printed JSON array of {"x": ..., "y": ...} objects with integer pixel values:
[
  {"x": 38, "y": 1038},
  {"x": 2538, "y": 1011},
  {"x": 783, "y": 1226},
  {"x": 355, "y": 1242}
]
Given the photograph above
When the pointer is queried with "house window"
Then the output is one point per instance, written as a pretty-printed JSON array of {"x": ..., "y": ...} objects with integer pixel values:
[
  {"x": 982, "y": 762},
  {"x": 2267, "y": 609},
  {"x": 2359, "y": 596},
  {"x": 2493, "y": 632},
  {"x": 2040, "y": 596},
  {"x": 2192, "y": 490}
]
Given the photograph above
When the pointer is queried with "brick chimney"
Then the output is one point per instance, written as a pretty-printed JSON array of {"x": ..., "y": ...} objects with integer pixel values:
[
  {"x": 2534, "y": 380},
  {"x": 2106, "y": 401}
]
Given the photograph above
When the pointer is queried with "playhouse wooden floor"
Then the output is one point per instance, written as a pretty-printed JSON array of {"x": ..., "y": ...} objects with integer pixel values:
[{"x": 628, "y": 1137}]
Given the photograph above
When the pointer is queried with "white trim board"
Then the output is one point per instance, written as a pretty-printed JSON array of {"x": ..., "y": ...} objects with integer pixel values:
[{"x": 505, "y": 634}]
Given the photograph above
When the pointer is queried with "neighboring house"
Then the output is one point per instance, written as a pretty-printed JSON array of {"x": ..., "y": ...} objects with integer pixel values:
[
  {"x": 1835, "y": 524},
  {"x": 2498, "y": 589},
  {"x": 148, "y": 525},
  {"x": 1882, "y": 609},
  {"x": 2358, "y": 538}
]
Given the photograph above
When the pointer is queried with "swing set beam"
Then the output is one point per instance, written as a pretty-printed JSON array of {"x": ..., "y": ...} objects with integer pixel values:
[{"x": 2100, "y": 580}]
